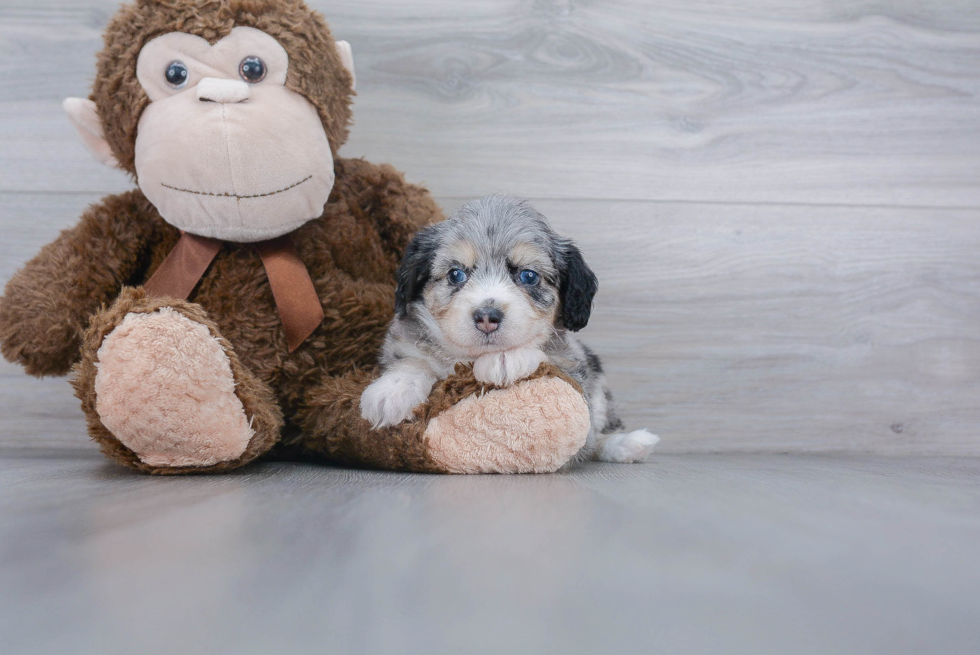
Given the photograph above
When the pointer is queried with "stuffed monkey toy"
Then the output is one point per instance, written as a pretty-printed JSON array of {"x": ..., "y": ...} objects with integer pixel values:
[{"x": 233, "y": 306}]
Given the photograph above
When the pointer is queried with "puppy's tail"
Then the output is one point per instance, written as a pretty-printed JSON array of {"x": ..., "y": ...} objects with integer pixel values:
[{"x": 626, "y": 447}]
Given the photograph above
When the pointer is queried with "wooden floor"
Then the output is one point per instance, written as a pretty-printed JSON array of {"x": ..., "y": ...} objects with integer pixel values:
[
  {"x": 781, "y": 199},
  {"x": 688, "y": 554}
]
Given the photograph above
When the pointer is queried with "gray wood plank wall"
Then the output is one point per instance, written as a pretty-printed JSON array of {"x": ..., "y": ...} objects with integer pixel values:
[{"x": 781, "y": 198}]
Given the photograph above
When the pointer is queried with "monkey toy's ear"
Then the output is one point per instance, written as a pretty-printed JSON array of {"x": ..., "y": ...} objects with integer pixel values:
[
  {"x": 347, "y": 59},
  {"x": 84, "y": 116}
]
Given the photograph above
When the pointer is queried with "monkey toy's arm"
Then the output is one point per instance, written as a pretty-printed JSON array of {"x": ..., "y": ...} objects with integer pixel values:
[
  {"x": 46, "y": 306},
  {"x": 466, "y": 426}
]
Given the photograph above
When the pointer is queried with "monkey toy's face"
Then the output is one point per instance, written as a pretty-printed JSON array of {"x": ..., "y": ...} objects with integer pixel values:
[{"x": 224, "y": 149}]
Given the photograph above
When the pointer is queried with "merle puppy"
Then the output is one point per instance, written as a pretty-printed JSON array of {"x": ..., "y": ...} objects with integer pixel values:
[{"x": 496, "y": 286}]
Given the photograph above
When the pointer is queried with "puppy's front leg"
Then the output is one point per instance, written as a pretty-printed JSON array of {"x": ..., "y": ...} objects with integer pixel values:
[
  {"x": 390, "y": 399},
  {"x": 507, "y": 367}
]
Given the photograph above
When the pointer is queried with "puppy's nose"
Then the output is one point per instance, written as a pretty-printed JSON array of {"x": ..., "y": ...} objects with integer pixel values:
[
  {"x": 214, "y": 89},
  {"x": 488, "y": 319}
]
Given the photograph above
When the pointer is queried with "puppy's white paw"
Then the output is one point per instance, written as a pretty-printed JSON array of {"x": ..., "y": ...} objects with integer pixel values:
[
  {"x": 627, "y": 447},
  {"x": 507, "y": 367},
  {"x": 390, "y": 399}
]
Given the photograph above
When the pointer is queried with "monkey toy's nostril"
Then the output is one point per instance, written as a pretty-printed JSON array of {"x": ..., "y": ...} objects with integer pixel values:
[{"x": 488, "y": 319}]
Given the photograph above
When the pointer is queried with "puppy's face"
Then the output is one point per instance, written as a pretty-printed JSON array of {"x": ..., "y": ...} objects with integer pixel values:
[
  {"x": 485, "y": 301},
  {"x": 493, "y": 277}
]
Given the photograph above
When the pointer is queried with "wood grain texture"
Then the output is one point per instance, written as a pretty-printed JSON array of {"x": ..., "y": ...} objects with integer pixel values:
[
  {"x": 723, "y": 327},
  {"x": 687, "y": 554},
  {"x": 795, "y": 300},
  {"x": 851, "y": 102},
  {"x": 787, "y": 328}
]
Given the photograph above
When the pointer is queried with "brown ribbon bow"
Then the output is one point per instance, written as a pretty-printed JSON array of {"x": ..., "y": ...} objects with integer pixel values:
[{"x": 296, "y": 298}]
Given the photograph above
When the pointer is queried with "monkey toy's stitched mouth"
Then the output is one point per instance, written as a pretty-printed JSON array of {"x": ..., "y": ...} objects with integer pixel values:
[{"x": 236, "y": 196}]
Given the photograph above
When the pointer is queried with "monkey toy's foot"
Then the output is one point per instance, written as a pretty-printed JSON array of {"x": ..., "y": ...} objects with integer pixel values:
[
  {"x": 534, "y": 426},
  {"x": 165, "y": 390},
  {"x": 168, "y": 389}
]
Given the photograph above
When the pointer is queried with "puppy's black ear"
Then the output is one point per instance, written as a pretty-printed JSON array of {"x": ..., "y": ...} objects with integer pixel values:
[
  {"x": 415, "y": 269},
  {"x": 577, "y": 288}
]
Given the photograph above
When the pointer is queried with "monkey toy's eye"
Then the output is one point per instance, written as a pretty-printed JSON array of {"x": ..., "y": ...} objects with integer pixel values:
[
  {"x": 252, "y": 70},
  {"x": 176, "y": 74},
  {"x": 529, "y": 277},
  {"x": 456, "y": 276}
]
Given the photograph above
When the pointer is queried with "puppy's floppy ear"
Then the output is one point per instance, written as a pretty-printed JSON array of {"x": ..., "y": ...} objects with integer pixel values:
[
  {"x": 415, "y": 269},
  {"x": 577, "y": 287}
]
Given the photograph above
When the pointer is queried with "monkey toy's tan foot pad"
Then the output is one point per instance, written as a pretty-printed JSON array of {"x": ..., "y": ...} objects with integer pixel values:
[
  {"x": 164, "y": 388},
  {"x": 534, "y": 426},
  {"x": 163, "y": 392}
]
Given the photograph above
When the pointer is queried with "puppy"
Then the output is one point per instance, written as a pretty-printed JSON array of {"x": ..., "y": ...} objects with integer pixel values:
[{"x": 495, "y": 286}]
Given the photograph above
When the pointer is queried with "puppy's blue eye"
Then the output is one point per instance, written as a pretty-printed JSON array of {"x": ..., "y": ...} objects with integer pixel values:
[
  {"x": 457, "y": 276},
  {"x": 529, "y": 277}
]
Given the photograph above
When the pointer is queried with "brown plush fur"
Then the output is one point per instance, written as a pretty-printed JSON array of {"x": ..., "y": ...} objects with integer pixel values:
[
  {"x": 58, "y": 309},
  {"x": 352, "y": 252}
]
